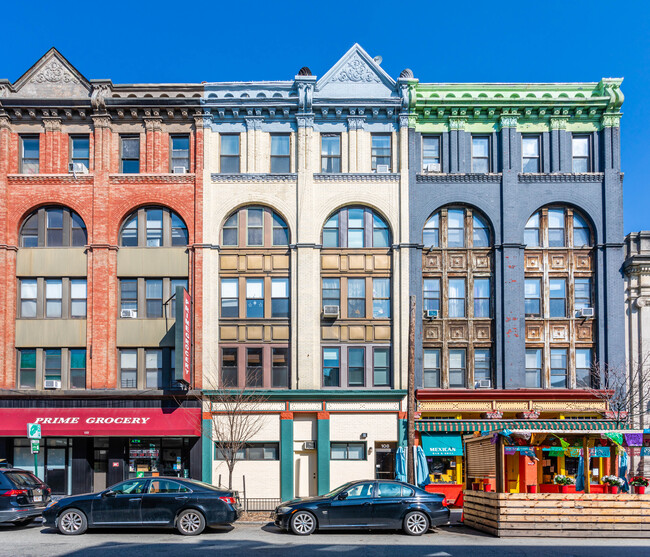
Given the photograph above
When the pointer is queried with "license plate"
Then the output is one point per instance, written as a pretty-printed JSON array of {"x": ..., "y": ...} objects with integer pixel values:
[{"x": 38, "y": 498}]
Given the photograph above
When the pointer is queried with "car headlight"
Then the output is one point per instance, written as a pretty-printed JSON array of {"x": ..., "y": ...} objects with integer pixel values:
[{"x": 284, "y": 510}]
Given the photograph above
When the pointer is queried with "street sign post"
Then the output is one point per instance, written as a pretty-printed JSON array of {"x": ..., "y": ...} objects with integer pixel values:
[
  {"x": 34, "y": 433},
  {"x": 35, "y": 446}
]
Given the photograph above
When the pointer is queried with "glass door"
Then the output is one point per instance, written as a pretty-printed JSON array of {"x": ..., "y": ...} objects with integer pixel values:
[{"x": 56, "y": 457}]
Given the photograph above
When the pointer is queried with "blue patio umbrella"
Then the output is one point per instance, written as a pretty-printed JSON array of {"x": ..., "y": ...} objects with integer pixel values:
[
  {"x": 623, "y": 463},
  {"x": 580, "y": 480},
  {"x": 400, "y": 464},
  {"x": 422, "y": 470}
]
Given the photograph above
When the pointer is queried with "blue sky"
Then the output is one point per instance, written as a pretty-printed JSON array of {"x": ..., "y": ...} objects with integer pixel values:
[{"x": 141, "y": 41}]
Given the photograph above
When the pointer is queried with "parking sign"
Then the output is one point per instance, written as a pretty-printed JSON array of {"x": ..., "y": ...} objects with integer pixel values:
[{"x": 33, "y": 431}]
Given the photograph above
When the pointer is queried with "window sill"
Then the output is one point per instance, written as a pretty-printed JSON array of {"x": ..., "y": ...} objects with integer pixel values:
[
  {"x": 51, "y": 178},
  {"x": 356, "y": 177},
  {"x": 151, "y": 178},
  {"x": 469, "y": 177},
  {"x": 254, "y": 177}
]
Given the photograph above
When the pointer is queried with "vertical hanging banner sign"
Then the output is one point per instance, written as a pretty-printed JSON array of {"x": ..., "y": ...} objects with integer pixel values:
[{"x": 183, "y": 338}]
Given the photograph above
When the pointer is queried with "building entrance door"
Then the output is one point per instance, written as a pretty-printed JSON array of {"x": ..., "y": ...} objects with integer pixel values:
[
  {"x": 385, "y": 460},
  {"x": 305, "y": 473},
  {"x": 55, "y": 469}
]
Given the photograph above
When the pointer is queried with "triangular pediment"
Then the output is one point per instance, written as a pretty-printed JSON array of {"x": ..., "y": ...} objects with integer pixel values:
[
  {"x": 355, "y": 75},
  {"x": 52, "y": 77}
]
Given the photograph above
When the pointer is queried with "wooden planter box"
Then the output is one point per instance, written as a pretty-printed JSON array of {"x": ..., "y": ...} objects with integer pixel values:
[{"x": 556, "y": 515}]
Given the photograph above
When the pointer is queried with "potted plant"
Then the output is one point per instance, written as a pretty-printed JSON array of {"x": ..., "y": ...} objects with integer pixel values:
[
  {"x": 612, "y": 483},
  {"x": 639, "y": 483},
  {"x": 563, "y": 482}
]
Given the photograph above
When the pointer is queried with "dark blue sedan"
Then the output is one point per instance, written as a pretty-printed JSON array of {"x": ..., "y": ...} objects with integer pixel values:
[
  {"x": 165, "y": 502},
  {"x": 366, "y": 504}
]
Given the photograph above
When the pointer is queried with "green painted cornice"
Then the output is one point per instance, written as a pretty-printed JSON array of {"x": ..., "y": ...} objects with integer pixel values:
[{"x": 319, "y": 394}]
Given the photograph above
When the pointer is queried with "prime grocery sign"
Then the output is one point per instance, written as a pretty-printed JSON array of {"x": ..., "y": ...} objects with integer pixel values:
[{"x": 111, "y": 422}]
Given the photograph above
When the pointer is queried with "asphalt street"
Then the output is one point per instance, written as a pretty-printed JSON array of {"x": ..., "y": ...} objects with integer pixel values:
[{"x": 266, "y": 539}]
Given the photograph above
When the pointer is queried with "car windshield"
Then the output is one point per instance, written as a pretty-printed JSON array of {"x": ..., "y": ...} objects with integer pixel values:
[
  {"x": 338, "y": 490},
  {"x": 208, "y": 486}
]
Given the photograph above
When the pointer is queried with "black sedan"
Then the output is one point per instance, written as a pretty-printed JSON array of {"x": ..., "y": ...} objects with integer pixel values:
[
  {"x": 166, "y": 502},
  {"x": 23, "y": 496},
  {"x": 366, "y": 504}
]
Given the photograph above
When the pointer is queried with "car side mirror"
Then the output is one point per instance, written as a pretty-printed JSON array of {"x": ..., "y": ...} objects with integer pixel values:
[
  {"x": 343, "y": 496},
  {"x": 108, "y": 493}
]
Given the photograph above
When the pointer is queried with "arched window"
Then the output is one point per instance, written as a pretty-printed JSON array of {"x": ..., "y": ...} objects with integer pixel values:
[
  {"x": 255, "y": 226},
  {"x": 153, "y": 227},
  {"x": 557, "y": 227},
  {"x": 53, "y": 227},
  {"x": 457, "y": 299},
  {"x": 356, "y": 227}
]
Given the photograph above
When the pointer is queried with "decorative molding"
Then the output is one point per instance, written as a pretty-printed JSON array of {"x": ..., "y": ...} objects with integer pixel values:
[
  {"x": 67, "y": 179},
  {"x": 356, "y": 71},
  {"x": 54, "y": 72},
  {"x": 508, "y": 121},
  {"x": 559, "y": 123},
  {"x": 101, "y": 120},
  {"x": 218, "y": 407},
  {"x": 305, "y": 120},
  {"x": 356, "y": 177},
  {"x": 456, "y": 178},
  {"x": 564, "y": 177},
  {"x": 457, "y": 123},
  {"x": 356, "y": 123},
  {"x": 306, "y": 406},
  {"x": 151, "y": 178},
  {"x": 258, "y": 177},
  {"x": 405, "y": 119},
  {"x": 52, "y": 124},
  {"x": 611, "y": 120},
  {"x": 362, "y": 406},
  {"x": 254, "y": 122}
]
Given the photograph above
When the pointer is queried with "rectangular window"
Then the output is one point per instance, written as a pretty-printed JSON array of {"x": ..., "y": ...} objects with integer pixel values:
[
  {"x": 431, "y": 234},
  {"x": 280, "y": 297},
  {"x": 457, "y": 367},
  {"x": 331, "y": 367},
  {"x": 481, "y": 297},
  {"x": 254, "y": 451},
  {"x": 77, "y": 369},
  {"x": 280, "y": 368},
  {"x": 153, "y": 367},
  {"x": 154, "y": 297},
  {"x": 174, "y": 283},
  {"x": 356, "y": 367},
  {"x": 381, "y": 367},
  {"x": 129, "y": 369},
  {"x": 480, "y": 155},
  {"x": 280, "y": 154},
  {"x": 381, "y": 298},
  {"x": 229, "y": 368},
  {"x": 356, "y": 228},
  {"x": 255, "y": 227},
  {"x": 356, "y": 298},
  {"x": 381, "y": 153},
  {"x": 432, "y": 368},
  {"x": 230, "y": 297},
  {"x": 229, "y": 157},
  {"x": 431, "y": 295},
  {"x": 533, "y": 300},
  {"x": 280, "y": 231},
  {"x": 53, "y": 297},
  {"x": 80, "y": 150},
  {"x": 348, "y": 451},
  {"x": 581, "y": 150},
  {"x": 556, "y": 228},
  {"x": 129, "y": 295},
  {"x": 52, "y": 364},
  {"x": 530, "y": 153},
  {"x": 255, "y": 298},
  {"x": 331, "y": 292},
  {"x": 78, "y": 297},
  {"x": 254, "y": 367},
  {"x": 180, "y": 153},
  {"x": 331, "y": 232},
  {"x": 583, "y": 368},
  {"x": 533, "y": 368},
  {"x": 456, "y": 297},
  {"x": 456, "y": 228},
  {"x": 531, "y": 232},
  {"x": 154, "y": 226},
  {"x": 557, "y": 298},
  {"x": 582, "y": 294},
  {"x": 230, "y": 234},
  {"x": 558, "y": 368},
  {"x": 482, "y": 365},
  {"x": 28, "y": 297},
  {"x": 330, "y": 152},
  {"x": 27, "y": 373},
  {"x": 130, "y": 154},
  {"x": 29, "y": 154},
  {"x": 55, "y": 227},
  {"x": 431, "y": 154}
]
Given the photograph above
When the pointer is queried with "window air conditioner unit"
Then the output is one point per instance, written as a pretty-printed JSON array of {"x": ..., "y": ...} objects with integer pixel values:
[
  {"x": 77, "y": 168},
  {"x": 52, "y": 384},
  {"x": 309, "y": 445},
  {"x": 431, "y": 313},
  {"x": 331, "y": 312},
  {"x": 130, "y": 313},
  {"x": 432, "y": 167},
  {"x": 383, "y": 169},
  {"x": 586, "y": 312},
  {"x": 179, "y": 170},
  {"x": 484, "y": 384}
]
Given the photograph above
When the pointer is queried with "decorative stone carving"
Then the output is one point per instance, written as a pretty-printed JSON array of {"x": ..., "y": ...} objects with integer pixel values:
[
  {"x": 641, "y": 302},
  {"x": 54, "y": 72},
  {"x": 356, "y": 70},
  {"x": 98, "y": 98},
  {"x": 508, "y": 121},
  {"x": 406, "y": 73},
  {"x": 457, "y": 123},
  {"x": 559, "y": 123}
]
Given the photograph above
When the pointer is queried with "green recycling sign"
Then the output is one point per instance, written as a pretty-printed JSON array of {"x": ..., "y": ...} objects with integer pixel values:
[{"x": 33, "y": 431}]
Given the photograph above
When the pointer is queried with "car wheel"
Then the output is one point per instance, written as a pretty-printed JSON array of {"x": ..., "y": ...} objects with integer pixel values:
[
  {"x": 24, "y": 522},
  {"x": 303, "y": 523},
  {"x": 190, "y": 523},
  {"x": 416, "y": 523},
  {"x": 72, "y": 522}
]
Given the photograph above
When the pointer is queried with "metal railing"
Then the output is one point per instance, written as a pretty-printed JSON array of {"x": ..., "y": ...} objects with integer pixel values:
[{"x": 260, "y": 504}]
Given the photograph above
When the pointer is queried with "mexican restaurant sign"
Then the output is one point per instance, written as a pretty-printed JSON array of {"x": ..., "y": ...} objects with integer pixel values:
[{"x": 79, "y": 422}]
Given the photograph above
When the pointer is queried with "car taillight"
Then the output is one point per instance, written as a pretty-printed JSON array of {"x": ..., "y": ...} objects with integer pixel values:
[
  {"x": 12, "y": 492},
  {"x": 229, "y": 500},
  {"x": 444, "y": 502}
]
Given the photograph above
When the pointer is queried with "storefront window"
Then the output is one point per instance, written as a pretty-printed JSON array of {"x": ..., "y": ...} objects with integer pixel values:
[
  {"x": 153, "y": 457},
  {"x": 442, "y": 469}
]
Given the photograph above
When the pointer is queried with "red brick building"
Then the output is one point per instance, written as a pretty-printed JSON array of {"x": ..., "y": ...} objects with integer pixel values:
[{"x": 100, "y": 219}]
